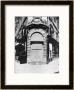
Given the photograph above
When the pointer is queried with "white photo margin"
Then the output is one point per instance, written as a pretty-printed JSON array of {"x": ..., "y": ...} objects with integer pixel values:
[{"x": 12, "y": 78}]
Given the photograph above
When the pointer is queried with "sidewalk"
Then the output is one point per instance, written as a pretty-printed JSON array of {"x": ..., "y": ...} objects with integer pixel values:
[{"x": 51, "y": 67}]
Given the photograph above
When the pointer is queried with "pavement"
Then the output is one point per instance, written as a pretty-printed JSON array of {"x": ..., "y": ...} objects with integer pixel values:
[{"x": 51, "y": 67}]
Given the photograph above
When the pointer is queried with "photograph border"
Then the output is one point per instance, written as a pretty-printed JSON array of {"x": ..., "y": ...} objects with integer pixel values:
[{"x": 3, "y": 3}]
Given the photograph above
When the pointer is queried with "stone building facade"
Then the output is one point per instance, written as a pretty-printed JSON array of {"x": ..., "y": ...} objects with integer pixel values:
[{"x": 40, "y": 38}]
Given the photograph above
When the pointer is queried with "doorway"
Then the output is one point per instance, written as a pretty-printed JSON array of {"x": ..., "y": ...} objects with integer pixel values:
[{"x": 36, "y": 51}]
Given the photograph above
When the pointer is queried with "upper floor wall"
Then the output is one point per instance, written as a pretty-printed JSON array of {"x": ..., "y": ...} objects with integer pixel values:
[{"x": 51, "y": 22}]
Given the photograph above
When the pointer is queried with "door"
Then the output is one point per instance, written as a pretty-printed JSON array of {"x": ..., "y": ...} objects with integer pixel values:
[
  {"x": 36, "y": 53},
  {"x": 36, "y": 48}
]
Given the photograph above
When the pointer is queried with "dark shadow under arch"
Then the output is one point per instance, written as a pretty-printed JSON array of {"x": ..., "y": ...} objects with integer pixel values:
[{"x": 37, "y": 26}]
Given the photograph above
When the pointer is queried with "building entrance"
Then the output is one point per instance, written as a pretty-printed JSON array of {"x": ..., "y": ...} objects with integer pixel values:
[{"x": 36, "y": 48}]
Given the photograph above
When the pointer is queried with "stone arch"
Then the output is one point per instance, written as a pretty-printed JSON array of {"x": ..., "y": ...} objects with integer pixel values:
[{"x": 37, "y": 36}]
